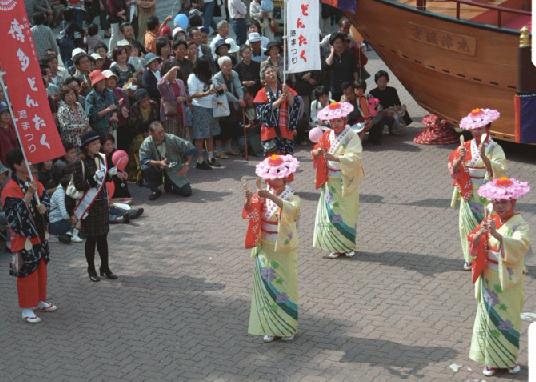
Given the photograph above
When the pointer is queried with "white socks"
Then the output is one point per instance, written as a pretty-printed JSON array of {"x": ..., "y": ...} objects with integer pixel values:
[{"x": 28, "y": 313}]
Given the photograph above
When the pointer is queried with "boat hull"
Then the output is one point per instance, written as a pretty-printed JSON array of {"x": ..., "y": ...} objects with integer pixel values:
[{"x": 449, "y": 66}]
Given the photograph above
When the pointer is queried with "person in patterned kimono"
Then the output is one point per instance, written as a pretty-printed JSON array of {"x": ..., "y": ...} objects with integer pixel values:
[
  {"x": 470, "y": 165},
  {"x": 499, "y": 245},
  {"x": 337, "y": 159},
  {"x": 272, "y": 233},
  {"x": 27, "y": 219},
  {"x": 278, "y": 108}
]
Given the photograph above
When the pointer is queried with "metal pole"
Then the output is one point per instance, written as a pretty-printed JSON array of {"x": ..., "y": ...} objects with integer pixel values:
[
  {"x": 285, "y": 42},
  {"x": 13, "y": 120}
]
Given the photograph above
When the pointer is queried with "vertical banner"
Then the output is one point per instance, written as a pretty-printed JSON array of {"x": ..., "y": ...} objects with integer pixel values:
[
  {"x": 303, "y": 35},
  {"x": 33, "y": 119}
]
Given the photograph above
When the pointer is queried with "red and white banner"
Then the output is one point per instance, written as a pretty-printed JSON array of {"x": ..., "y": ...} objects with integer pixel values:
[
  {"x": 303, "y": 35},
  {"x": 34, "y": 122}
]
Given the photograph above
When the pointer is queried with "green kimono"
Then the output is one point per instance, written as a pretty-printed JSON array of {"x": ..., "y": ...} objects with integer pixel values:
[
  {"x": 500, "y": 293},
  {"x": 274, "y": 302}
]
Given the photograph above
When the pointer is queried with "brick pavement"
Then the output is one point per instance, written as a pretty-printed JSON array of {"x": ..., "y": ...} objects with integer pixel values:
[{"x": 401, "y": 309}]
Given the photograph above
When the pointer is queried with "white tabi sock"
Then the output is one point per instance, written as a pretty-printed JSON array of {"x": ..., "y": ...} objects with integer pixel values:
[{"x": 28, "y": 313}]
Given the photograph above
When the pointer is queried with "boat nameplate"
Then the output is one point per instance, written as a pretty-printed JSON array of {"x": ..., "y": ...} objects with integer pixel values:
[{"x": 442, "y": 39}]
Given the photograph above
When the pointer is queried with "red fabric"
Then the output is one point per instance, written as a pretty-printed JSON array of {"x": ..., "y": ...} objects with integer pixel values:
[
  {"x": 436, "y": 132},
  {"x": 461, "y": 178},
  {"x": 35, "y": 124},
  {"x": 480, "y": 249},
  {"x": 33, "y": 288},
  {"x": 110, "y": 188},
  {"x": 12, "y": 190},
  {"x": 254, "y": 214},
  {"x": 177, "y": 92},
  {"x": 320, "y": 163}
]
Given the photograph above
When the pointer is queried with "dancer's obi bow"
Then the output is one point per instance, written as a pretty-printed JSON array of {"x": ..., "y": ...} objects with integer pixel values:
[
  {"x": 253, "y": 212},
  {"x": 320, "y": 162},
  {"x": 480, "y": 248}
]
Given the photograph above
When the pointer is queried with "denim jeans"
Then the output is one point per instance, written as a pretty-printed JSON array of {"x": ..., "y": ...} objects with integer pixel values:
[
  {"x": 60, "y": 227},
  {"x": 240, "y": 29},
  {"x": 208, "y": 14}
]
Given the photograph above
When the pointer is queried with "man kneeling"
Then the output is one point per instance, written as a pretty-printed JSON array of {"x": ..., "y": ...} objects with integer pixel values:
[{"x": 165, "y": 158}]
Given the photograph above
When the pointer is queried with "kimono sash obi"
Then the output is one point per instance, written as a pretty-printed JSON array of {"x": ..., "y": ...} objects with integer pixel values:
[
  {"x": 13, "y": 190},
  {"x": 269, "y": 230}
]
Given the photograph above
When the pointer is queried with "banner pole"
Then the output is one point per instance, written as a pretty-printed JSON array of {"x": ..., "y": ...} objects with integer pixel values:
[
  {"x": 13, "y": 120},
  {"x": 285, "y": 42}
]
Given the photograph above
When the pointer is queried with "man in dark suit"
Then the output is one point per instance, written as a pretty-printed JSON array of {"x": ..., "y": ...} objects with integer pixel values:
[{"x": 151, "y": 76}]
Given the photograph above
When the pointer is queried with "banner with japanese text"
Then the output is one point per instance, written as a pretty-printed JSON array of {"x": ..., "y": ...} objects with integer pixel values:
[
  {"x": 303, "y": 35},
  {"x": 34, "y": 122}
]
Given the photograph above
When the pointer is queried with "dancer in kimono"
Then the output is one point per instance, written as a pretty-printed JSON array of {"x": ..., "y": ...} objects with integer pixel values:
[
  {"x": 339, "y": 171},
  {"x": 499, "y": 245},
  {"x": 272, "y": 233},
  {"x": 470, "y": 165},
  {"x": 27, "y": 221},
  {"x": 278, "y": 108}
]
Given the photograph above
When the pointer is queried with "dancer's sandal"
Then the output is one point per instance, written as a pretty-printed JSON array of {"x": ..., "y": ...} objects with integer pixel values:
[
  {"x": 47, "y": 307},
  {"x": 489, "y": 371},
  {"x": 31, "y": 319}
]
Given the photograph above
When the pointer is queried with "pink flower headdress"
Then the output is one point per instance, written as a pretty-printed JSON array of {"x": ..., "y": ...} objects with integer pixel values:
[
  {"x": 503, "y": 189},
  {"x": 277, "y": 167},
  {"x": 479, "y": 118}
]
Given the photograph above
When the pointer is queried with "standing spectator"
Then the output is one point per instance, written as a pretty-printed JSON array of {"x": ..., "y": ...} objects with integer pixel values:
[
  {"x": 146, "y": 10},
  {"x": 344, "y": 27},
  {"x": 255, "y": 27},
  {"x": 82, "y": 63},
  {"x": 151, "y": 34},
  {"x": 222, "y": 50},
  {"x": 57, "y": 75},
  {"x": 151, "y": 76},
  {"x": 248, "y": 72},
  {"x": 102, "y": 50},
  {"x": 71, "y": 37},
  {"x": 27, "y": 221},
  {"x": 127, "y": 30},
  {"x": 92, "y": 38},
  {"x": 90, "y": 174},
  {"x": 100, "y": 105},
  {"x": 205, "y": 127},
  {"x": 122, "y": 102},
  {"x": 277, "y": 109},
  {"x": 43, "y": 8},
  {"x": 273, "y": 51},
  {"x": 199, "y": 36},
  {"x": 223, "y": 34},
  {"x": 78, "y": 9},
  {"x": 163, "y": 49},
  {"x": 227, "y": 80},
  {"x": 255, "y": 43},
  {"x": 98, "y": 61},
  {"x": 121, "y": 67},
  {"x": 174, "y": 101},
  {"x": 74, "y": 83},
  {"x": 43, "y": 36},
  {"x": 341, "y": 62},
  {"x": 8, "y": 135},
  {"x": 192, "y": 54},
  {"x": 208, "y": 13},
  {"x": 237, "y": 13},
  {"x": 72, "y": 119},
  {"x": 166, "y": 158},
  {"x": 117, "y": 14},
  {"x": 180, "y": 49},
  {"x": 98, "y": 8}
]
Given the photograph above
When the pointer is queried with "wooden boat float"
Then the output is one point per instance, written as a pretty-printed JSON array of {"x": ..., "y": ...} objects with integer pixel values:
[{"x": 455, "y": 55}]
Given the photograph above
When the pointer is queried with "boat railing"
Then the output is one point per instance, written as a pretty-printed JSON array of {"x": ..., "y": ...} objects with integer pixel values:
[{"x": 421, "y": 4}]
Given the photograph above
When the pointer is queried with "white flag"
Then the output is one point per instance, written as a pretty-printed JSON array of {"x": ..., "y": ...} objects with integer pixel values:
[{"x": 303, "y": 35}]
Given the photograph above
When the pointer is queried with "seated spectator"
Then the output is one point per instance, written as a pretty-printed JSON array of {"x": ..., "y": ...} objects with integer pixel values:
[
  {"x": 320, "y": 101},
  {"x": 354, "y": 93},
  {"x": 98, "y": 61},
  {"x": 102, "y": 50},
  {"x": 45, "y": 176},
  {"x": 180, "y": 48},
  {"x": 152, "y": 32},
  {"x": 278, "y": 111},
  {"x": 163, "y": 49},
  {"x": 166, "y": 158},
  {"x": 127, "y": 31},
  {"x": 393, "y": 113},
  {"x": 273, "y": 51},
  {"x": 62, "y": 223},
  {"x": 101, "y": 106},
  {"x": 43, "y": 36},
  {"x": 255, "y": 27},
  {"x": 223, "y": 34},
  {"x": 82, "y": 63},
  {"x": 151, "y": 76},
  {"x": 72, "y": 119},
  {"x": 74, "y": 84},
  {"x": 93, "y": 38},
  {"x": 8, "y": 135},
  {"x": 341, "y": 63},
  {"x": 56, "y": 75},
  {"x": 173, "y": 102},
  {"x": 255, "y": 43},
  {"x": 248, "y": 73},
  {"x": 205, "y": 127},
  {"x": 142, "y": 112},
  {"x": 121, "y": 67},
  {"x": 135, "y": 59}
]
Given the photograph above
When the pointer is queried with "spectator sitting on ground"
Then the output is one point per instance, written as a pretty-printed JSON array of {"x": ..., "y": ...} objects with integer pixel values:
[
  {"x": 166, "y": 158},
  {"x": 65, "y": 165},
  {"x": 62, "y": 223},
  {"x": 320, "y": 101}
]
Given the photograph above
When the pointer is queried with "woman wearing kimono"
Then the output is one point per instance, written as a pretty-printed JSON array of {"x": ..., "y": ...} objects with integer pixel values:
[
  {"x": 272, "y": 233},
  {"x": 278, "y": 111},
  {"x": 27, "y": 221},
  {"x": 337, "y": 159},
  {"x": 470, "y": 165},
  {"x": 499, "y": 245}
]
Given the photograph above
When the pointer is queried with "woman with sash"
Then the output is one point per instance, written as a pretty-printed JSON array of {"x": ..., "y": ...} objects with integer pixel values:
[
  {"x": 499, "y": 245},
  {"x": 470, "y": 165},
  {"x": 90, "y": 176},
  {"x": 272, "y": 233},
  {"x": 339, "y": 171},
  {"x": 27, "y": 221}
]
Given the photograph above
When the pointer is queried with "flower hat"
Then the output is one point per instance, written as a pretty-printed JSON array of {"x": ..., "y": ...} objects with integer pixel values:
[
  {"x": 277, "y": 167},
  {"x": 504, "y": 189},
  {"x": 335, "y": 110},
  {"x": 479, "y": 118}
]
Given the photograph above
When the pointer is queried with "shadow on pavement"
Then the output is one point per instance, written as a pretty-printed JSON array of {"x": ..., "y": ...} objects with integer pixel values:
[{"x": 168, "y": 284}]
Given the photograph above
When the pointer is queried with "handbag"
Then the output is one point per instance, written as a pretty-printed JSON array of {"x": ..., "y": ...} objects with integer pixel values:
[
  {"x": 220, "y": 106},
  {"x": 170, "y": 108},
  {"x": 71, "y": 190}
]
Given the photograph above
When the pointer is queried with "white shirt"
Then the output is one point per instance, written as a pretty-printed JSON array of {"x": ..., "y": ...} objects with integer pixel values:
[
  {"x": 196, "y": 86},
  {"x": 57, "y": 206},
  {"x": 237, "y": 9},
  {"x": 157, "y": 75}
]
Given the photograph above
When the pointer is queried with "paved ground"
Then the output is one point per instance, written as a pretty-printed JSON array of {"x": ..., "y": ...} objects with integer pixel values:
[{"x": 401, "y": 309}]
